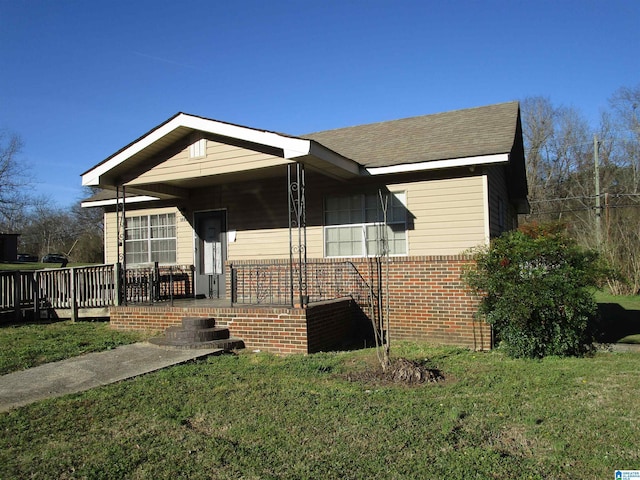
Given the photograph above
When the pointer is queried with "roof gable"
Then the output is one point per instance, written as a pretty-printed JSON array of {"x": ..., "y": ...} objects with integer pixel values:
[
  {"x": 183, "y": 124},
  {"x": 471, "y": 132},
  {"x": 482, "y": 136}
]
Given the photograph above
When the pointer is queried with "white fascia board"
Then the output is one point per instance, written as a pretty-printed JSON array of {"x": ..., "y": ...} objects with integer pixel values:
[
  {"x": 112, "y": 201},
  {"x": 440, "y": 164},
  {"x": 292, "y": 147}
]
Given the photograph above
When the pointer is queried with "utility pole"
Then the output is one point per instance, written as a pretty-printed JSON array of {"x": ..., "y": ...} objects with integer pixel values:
[{"x": 597, "y": 187}]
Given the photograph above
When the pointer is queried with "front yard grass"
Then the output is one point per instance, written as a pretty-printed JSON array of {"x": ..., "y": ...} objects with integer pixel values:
[
  {"x": 258, "y": 416},
  {"x": 31, "y": 344}
]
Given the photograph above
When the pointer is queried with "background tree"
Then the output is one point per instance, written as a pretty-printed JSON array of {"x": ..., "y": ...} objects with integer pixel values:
[
  {"x": 559, "y": 148},
  {"x": 13, "y": 179},
  {"x": 76, "y": 232},
  {"x": 89, "y": 231}
]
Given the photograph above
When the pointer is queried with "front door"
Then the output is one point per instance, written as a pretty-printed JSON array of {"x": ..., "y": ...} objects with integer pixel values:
[{"x": 210, "y": 253}]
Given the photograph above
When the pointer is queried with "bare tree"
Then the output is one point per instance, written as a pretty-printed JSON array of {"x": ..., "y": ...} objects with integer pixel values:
[
  {"x": 12, "y": 181},
  {"x": 88, "y": 231},
  {"x": 560, "y": 148},
  {"x": 622, "y": 197},
  {"x": 625, "y": 107}
]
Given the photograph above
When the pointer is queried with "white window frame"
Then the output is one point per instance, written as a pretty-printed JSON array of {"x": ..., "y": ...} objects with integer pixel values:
[
  {"x": 364, "y": 225},
  {"x": 149, "y": 236}
]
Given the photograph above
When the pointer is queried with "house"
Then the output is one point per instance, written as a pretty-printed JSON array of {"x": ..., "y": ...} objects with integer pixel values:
[{"x": 255, "y": 216}]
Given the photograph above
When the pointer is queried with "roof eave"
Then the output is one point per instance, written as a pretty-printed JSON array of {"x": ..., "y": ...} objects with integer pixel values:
[
  {"x": 114, "y": 201},
  {"x": 494, "y": 159}
]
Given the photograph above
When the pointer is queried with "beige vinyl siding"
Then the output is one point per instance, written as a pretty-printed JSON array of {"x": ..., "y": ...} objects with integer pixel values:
[
  {"x": 267, "y": 244},
  {"x": 446, "y": 216},
  {"x": 184, "y": 234},
  {"x": 258, "y": 213},
  {"x": 220, "y": 159}
]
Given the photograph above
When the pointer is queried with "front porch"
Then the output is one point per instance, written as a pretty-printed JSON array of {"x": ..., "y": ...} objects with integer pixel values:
[
  {"x": 320, "y": 326},
  {"x": 427, "y": 301},
  {"x": 262, "y": 304}
]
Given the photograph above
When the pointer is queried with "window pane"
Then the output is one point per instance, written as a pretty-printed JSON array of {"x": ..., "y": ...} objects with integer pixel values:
[
  {"x": 366, "y": 233},
  {"x": 137, "y": 252},
  {"x": 374, "y": 240},
  {"x": 136, "y": 228},
  {"x": 343, "y": 241},
  {"x": 163, "y": 251},
  {"x": 151, "y": 238},
  {"x": 344, "y": 210},
  {"x": 397, "y": 237},
  {"x": 398, "y": 210},
  {"x": 373, "y": 208}
]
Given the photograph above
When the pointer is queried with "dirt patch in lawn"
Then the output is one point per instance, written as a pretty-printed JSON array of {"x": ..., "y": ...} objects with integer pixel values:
[{"x": 401, "y": 372}]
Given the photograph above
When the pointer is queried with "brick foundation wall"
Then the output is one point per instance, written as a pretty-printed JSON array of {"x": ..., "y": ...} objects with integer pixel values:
[
  {"x": 330, "y": 325},
  {"x": 279, "y": 330},
  {"x": 430, "y": 302},
  {"x": 428, "y": 299}
]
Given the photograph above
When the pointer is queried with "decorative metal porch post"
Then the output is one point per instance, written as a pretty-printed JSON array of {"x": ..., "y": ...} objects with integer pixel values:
[
  {"x": 121, "y": 223},
  {"x": 297, "y": 233}
]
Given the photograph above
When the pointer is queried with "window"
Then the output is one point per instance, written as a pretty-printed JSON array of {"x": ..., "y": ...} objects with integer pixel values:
[
  {"x": 354, "y": 225},
  {"x": 151, "y": 238},
  {"x": 198, "y": 148}
]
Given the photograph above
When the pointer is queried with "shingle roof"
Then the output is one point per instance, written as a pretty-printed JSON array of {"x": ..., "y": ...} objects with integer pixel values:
[{"x": 461, "y": 133}]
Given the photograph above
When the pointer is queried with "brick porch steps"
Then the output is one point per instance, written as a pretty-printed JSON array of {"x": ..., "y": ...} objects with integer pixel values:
[{"x": 198, "y": 332}]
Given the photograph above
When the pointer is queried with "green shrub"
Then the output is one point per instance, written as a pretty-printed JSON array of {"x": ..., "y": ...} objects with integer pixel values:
[{"x": 534, "y": 283}]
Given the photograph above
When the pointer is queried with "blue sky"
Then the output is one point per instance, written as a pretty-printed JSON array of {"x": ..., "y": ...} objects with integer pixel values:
[{"x": 81, "y": 79}]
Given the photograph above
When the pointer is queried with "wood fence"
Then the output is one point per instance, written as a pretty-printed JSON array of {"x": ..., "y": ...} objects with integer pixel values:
[{"x": 69, "y": 292}]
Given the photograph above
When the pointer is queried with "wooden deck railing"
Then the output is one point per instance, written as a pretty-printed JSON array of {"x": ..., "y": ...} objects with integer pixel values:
[
  {"x": 70, "y": 289},
  {"x": 90, "y": 290}
]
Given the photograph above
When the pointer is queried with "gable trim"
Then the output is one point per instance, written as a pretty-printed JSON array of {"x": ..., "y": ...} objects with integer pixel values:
[
  {"x": 113, "y": 201},
  {"x": 440, "y": 164},
  {"x": 291, "y": 147}
]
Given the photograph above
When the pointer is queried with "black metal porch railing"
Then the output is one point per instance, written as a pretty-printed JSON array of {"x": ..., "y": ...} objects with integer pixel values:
[
  {"x": 155, "y": 283},
  {"x": 270, "y": 283}
]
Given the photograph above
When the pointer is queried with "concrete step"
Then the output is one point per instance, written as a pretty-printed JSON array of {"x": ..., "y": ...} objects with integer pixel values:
[
  {"x": 199, "y": 335},
  {"x": 196, "y": 323},
  {"x": 231, "y": 343}
]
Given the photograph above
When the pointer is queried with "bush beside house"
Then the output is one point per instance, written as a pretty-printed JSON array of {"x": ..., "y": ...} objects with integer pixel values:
[{"x": 535, "y": 291}]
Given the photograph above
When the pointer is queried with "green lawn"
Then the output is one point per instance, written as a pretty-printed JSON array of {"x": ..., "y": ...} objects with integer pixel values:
[
  {"x": 258, "y": 416},
  {"x": 261, "y": 416},
  {"x": 30, "y": 344}
]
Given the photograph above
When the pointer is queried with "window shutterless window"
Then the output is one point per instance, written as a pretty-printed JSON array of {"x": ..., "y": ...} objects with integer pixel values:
[
  {"x": 354, "y": 225},
  {"x": 151, "y": 238}
]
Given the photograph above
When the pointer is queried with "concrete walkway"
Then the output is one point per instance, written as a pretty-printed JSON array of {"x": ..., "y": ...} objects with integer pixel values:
[{"x": 88, "y": 371}]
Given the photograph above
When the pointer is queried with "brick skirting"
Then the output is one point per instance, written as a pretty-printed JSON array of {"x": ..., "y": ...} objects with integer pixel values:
[
  {"x": 322, "y": 326},
  {"x": 428, "y": 302}
]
